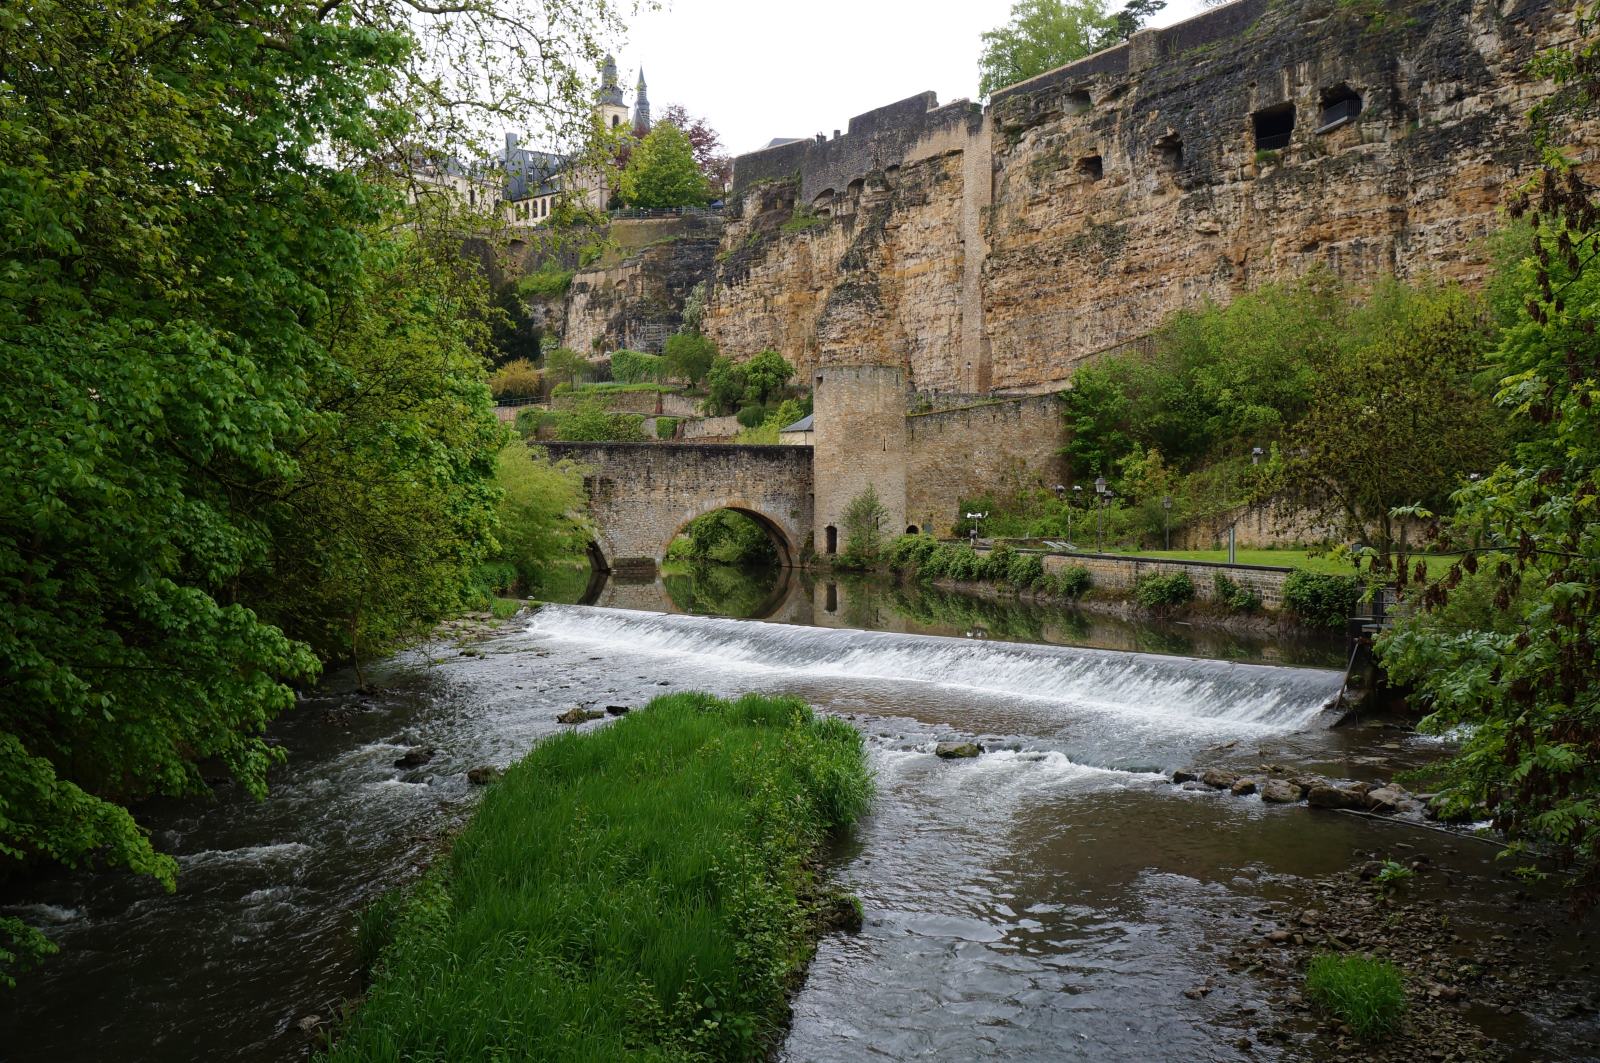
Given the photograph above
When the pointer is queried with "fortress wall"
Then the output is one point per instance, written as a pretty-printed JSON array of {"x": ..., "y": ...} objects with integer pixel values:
[{"x": 963, "y": 453}]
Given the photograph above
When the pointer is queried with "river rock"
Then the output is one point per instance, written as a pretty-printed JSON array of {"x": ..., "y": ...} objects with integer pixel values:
[
  {"x": 1328, "y": 796},
  {"x": 415, "y": 757},
  {"x": 1180, "y": 777},
  {"x": 1386, "y": 799},
  {"x": 1219, "y": 780},
  {"x": 1280, "y": 792},
  {"x": 578, "y": 714},
  {"x": 957, "y": 750},
  {"x": 1243, "y": 788},
  {"x": 616, "y": 710},
  {"x": 483, "y": 775}
]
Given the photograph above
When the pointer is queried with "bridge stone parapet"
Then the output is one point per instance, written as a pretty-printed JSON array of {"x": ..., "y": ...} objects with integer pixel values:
[{"x": 642, "y": 494}]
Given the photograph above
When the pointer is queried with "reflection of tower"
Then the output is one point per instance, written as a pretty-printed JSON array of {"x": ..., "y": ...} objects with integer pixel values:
[
  {"x": 860, "y": 419},
  {"x": 613, "y": 112},
  {"x": 641, "y": 107}
]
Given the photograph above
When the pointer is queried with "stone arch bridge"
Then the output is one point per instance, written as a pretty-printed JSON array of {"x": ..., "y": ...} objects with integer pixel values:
[{"x": 642, "y": 494}]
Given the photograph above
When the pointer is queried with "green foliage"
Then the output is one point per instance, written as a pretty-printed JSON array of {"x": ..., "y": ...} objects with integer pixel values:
[
  {"x": 1369, "y": 995},
  {"x": 688, "y": 356},
  {"x": 1024, "y": 570},
  {"x": 549, "y": 281},
  {"x": 517, "y": 379},
  {"x": 1041, "y": 35},
  {"x": 766, "y": 374},
  {"x": 635, "y": 367},
  {"x": 908, "y": 552},
  {"x": 590, "y": 422},
  {"x": 1070, "y": 582},
  {"x": 1392, "y": 875},
  {"x": 1162, "y": 594},
  {"x": 638, "y": 891},
  {"x": 662, "y": 171},
  {"x": 725, "y": 536},
  {"x": 725, "y": 386},
  {"x": 787, "y": 413},
  {"x": 711, "y": 588},
  {"x": 1320, "y": 599},
  {"x": 1232, "y": 597},
  {"x": 803, "y": 219},
  {"x": 863, "y": 524},
  {"x": 751, "y": 416},
  {"x": 562, "y": 365},
  {"x": 667, "y": 427},
  {"x": 541, "y": 514}
]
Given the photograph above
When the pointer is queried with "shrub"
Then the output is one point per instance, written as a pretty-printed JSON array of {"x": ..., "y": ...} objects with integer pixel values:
[
  {"x": 751, "y": 416},
  {"x": 997, "y": 562},
  {"x": 517, "y": 379},
  {"x": 666, "y": 427},
  {"x": 965, "y": 563},
  {"x": 1025, "y": 570},
  {"x": 636, "y": 367},
  {"x": 592, "y": 423},
  {"x": 1320, "y": 599},
  {"x": 1162, "y": 593},
  {"x": 911, "y": 551},
  {"x": 547, "y": 283},
  {"x": 688, "y": 356},
  {"x": 1365, "y": 993},
  {"x": 1071, "y": 582},
  {"x": 863, "y": 529},
  {"x": 1234, "y": 598}
]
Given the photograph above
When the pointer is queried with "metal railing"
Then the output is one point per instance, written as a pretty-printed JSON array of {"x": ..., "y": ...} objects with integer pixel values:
[{"x": 665, "y": 212}]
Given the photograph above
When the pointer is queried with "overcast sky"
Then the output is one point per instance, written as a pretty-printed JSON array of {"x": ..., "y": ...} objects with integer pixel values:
[{"x": 757, "y": 70}]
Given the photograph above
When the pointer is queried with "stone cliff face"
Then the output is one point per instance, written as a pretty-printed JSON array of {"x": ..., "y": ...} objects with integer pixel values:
[
  {"x": 635, "y": 300},
  {"x": 997, "y": 250}
]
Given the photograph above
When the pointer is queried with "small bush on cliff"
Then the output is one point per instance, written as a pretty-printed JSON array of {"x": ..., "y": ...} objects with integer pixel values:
[
  {"x": 1321, "y": 600},
  {"x": 548, "y": 282},
  {"x": 1024, "y": 571},
  {"x": 1162, "y": 594},
  {"x": 592, "y": 423},
  {"x": 517, "y": 379},
  {"x": 1232, "y": 597},
  {"x": 636, "y": 367}
]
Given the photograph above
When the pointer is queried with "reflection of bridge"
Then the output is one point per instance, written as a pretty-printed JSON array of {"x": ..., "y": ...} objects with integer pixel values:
[{"x": 642, "y": 494}]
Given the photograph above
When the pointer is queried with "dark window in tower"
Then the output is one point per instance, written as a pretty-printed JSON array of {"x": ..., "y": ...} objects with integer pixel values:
[
  {"x": 1340, "y": 104},
  {"x": 614, "y": 120},
  {"x": 833, "y": 539},
  {"x": 1273, "y": 126}
]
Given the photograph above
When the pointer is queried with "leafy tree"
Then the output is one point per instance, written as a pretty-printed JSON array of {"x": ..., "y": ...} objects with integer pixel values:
[
  {"x": 1041, "y": 35},
  {"x": 566, "y": 366},
  {"x": 715, "y": 164},
  {"x": 1129, "y": 20},
  {"x": 765, "y": 375},
  {"x": 725, "y": 386},
  {"x": 728, "y": 537},
  {"x": 516, "y": 379},
  {"x": 1393, "y": 424},
  {"x": 636, "y": 367},
  {"x": 541, "y": 515},
  {"x": 662, "y": 171},
  {"x": 689, "y": 356},
  {"x": 864, "y": 520},
  {"x": 590, "y": 422}
]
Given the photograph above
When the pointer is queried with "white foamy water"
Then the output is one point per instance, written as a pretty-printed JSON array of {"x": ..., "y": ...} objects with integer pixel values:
[{"x": 1104, "y": 681}]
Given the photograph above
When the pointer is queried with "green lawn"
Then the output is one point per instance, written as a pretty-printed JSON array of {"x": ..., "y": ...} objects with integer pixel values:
[{"x": 1283, "y": 559}]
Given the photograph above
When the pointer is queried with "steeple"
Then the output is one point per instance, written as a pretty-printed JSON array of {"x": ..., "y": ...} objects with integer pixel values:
[
  {"x": 610, "y": 92},
  {"x": 641, "y": 107}
]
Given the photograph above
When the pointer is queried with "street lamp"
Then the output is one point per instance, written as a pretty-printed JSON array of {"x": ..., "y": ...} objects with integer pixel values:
[
  {"x": 1166, "y": 519},
  {"x": 1074, "y": 501},
  {"x": 1100, "y": 517},
  {"x": 1256, "y": 454}
]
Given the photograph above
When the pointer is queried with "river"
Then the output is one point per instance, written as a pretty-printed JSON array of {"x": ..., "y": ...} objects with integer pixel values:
[{"x": 1049, "y": 900}]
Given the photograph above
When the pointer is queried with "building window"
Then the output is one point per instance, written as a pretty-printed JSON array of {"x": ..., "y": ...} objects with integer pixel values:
[
  {"x": 614, "y": 120},
  {"x": 1273, "y": 127},
  {"x": 1340, "y": 104},
  {"x": 472, "y": 197},
  {"x": 832, "y": 534},
  {"x": 1092, "y": 167}
]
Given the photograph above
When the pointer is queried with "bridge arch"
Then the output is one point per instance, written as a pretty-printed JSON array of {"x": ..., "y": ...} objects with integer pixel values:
[{"x": 788, "y": 551}]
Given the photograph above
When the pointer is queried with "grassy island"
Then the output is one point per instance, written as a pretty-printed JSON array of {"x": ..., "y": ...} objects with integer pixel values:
[{"x": 642, "y": 891}]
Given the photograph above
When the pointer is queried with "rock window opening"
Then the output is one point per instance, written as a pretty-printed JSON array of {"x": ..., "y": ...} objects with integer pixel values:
[
  {"x": 911, "y": 529},
  {"x": 833, "y": 539},
  {"x": 1078, "y": 102},
  {"x": 1274, "y": 126},
  {"x": 1339, "y": 105},
  {"x": 1169, "y": 152},
  {"x": 1092, "y": 167}
]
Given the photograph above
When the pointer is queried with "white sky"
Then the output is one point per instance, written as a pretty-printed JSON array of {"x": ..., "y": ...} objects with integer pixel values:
[{"x": 757, "y": 70}]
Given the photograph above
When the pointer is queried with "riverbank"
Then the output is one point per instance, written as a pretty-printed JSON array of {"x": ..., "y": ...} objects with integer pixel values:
[{"x": 644, "y": 887}]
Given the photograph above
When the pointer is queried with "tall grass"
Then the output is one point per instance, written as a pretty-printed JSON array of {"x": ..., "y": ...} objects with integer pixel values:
[
  {"x": 642, "y": 891},
  {"x": 1367, "y": 994}
]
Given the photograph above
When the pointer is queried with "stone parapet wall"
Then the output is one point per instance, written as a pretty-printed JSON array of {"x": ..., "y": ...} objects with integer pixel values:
[
  {"x": 709, "y": 428},
  {"x": 645, "y": 402},
  {"x": 1119, "y": 575}
]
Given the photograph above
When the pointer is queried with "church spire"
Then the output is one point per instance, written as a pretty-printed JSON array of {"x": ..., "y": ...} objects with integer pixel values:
[
  {"x": 641, "y": 107},
  {"x": 610, "y": 90}
]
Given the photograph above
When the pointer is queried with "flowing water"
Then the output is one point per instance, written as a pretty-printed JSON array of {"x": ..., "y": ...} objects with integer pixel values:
[{"x": 1049, "y": 900}]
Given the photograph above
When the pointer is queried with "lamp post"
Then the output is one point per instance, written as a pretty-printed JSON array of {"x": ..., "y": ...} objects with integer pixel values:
[
  {"x": 1099, "y": 514},
  {"x": 1166, "y": 519},
  {"x": 1076, "y": 500}
]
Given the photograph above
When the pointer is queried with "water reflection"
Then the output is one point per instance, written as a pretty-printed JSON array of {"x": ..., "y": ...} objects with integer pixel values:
[{"x": 880, "y": 603}]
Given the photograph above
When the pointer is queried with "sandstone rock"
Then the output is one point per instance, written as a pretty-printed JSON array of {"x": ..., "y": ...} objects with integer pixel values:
[
  {"x": 1279, "y": 937},
  {"x": 1385, "y": 799},
  {"x": 957, "y": 750},
  {"x": 578, "y": 714},
  {"x": 415, "y": 757},
  {"x": 1327, "y": 796},
  {"x": 1280, "y": 792},
  {"x": 1243, "y": 788},
  {"x": 483, "y": 775},
  {"x": 1219, "y": 780}
]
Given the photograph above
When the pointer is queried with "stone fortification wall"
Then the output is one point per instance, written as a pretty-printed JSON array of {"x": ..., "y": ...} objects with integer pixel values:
[
  {"x": 966, "y": 452},
  {"x": 860, "y": 441},
  {"x": 1119, "y": 575},
  {"x": 707, "y": 429},
  {"x": 1087, "y": 205}
]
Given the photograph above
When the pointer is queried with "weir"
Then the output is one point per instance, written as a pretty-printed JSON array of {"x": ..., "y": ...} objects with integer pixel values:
[{"x": 1154, "y": 687}]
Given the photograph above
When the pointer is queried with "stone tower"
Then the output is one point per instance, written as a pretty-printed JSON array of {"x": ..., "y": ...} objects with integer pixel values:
[
  {"x": 860, "y": 419},
  {"x": 613, "y": 112},
  {"x": 641, "y": 107}
]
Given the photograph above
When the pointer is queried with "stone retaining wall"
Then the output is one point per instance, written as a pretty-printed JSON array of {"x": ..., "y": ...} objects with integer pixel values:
[{"x": 1119, "y": 574}]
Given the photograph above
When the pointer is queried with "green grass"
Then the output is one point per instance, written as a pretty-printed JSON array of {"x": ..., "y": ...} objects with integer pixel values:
[
  {"x": 643, "y": 891},
  {"x": 613, "y": 387},
  {"x": 505, "y": 608},
  {"x": 1367, "y": 994},
  {"x": 1437, "y": 566}
]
